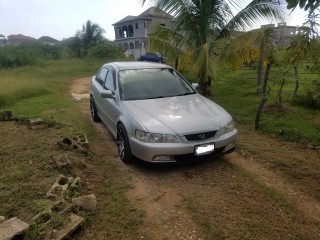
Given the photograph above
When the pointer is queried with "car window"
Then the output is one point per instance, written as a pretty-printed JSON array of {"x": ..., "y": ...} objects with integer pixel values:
[
  {"x": 152, "y": 83},
  {"x": 102, "y": 75},
  {"x": 109, "y": 83}
]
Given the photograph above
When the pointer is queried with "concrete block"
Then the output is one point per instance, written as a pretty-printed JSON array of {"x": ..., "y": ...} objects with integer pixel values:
[
  {"x": 59, "y": 187},
  {"x": 14, "y": 228},
  {"x": 83, "y": 140},
  {"x": 6, "y": 116},
  {"x": 35, "y": 121},
  {"x": 74, "y": 223},
  {"x": 62, "y": 160},
  {"x": 75, "y": 182},
  {"x": 70, "y": 144}
]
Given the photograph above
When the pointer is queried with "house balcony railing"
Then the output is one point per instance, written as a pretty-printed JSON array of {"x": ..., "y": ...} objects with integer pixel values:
[{"x": 130, "y": 38}]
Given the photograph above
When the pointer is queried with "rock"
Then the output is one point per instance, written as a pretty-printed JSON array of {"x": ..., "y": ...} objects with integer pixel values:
[
  {"x": 88, "y": 202},
  {"x": 14, "y": 228},
  {"x": 310, "y": 146},
  {"x": 188, "y": 174},
  {"x": 2, "y": 219}
]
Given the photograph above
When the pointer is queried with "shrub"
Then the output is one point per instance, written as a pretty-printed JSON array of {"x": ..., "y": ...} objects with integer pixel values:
[
  {"x": 311, "y": 96},
  {"x": 16, "y": 56},
  {"x": 27, "y": 54}
]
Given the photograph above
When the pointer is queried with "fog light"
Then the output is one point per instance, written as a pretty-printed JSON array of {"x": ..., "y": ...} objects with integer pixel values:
[
  {"x": 229, "y": 146},
  {"x": 162, "y": 158}
]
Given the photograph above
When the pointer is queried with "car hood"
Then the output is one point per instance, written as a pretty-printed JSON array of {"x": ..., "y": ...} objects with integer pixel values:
[{"x": 179, "y": 115}]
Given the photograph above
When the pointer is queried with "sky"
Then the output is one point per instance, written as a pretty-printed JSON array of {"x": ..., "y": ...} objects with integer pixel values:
[{"x": 61, "y": 19}]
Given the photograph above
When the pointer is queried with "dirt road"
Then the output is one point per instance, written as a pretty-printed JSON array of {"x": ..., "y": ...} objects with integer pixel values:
[{"x": 239, "y": 196}]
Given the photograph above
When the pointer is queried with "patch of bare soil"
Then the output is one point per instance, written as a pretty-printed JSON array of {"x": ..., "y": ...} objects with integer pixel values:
[
  {"x": 309, "y": 206},
  {"x": 80, "y": 88},
  {"x": 254, "y": 193}
]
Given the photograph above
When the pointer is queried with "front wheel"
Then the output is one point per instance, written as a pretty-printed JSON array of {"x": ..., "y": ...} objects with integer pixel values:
[
  {"x": 93, "y": 111},
  {"x": 124, "y": 145}
]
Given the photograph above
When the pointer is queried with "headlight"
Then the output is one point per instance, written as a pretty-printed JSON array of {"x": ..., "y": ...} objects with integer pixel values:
[
  {"x": 156, "y": 137},
  {"x": 227, "y": 128}
]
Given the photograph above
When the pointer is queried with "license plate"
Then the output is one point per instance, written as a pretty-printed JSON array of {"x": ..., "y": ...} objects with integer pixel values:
[{"x": 204, "y": 149}]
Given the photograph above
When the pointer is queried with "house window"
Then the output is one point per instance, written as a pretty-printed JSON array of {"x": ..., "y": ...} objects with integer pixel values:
[
  {"x": 130, "y": 31},
  {"x": 136, "y": 25}
]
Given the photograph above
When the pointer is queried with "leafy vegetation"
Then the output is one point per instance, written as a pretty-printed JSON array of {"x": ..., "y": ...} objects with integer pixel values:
[
  {"x": 87, "y": 42},
  {"x": 204, "y": 28}
]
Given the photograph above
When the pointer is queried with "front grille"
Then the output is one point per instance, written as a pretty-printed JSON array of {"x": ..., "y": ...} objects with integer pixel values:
[{"x": 200, "y": 136}]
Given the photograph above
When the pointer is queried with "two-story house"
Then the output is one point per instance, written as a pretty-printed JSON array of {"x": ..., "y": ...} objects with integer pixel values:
[
  {"x": 283, "y": 34},
  {"x": 131, "y": 32},
  {"x": 3, "y": 40}
]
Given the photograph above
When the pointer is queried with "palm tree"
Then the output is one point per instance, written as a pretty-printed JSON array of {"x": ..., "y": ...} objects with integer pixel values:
[
  {"x": 90, "y": 33},
  {"x": 204, "y": 27}
]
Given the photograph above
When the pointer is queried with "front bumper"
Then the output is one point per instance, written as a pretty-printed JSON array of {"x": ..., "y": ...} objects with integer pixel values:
[{"x": 173, "y": 152}]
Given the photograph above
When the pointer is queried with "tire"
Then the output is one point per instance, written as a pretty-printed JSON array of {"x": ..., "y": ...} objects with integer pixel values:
[
  {"x": 124, "y": 145},
  {"x": 93, "y": 111}
]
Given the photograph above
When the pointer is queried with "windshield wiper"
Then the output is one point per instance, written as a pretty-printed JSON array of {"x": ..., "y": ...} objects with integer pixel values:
[
  {"x": 186, "y": 93},
  {"x": 155, "y": 97}
]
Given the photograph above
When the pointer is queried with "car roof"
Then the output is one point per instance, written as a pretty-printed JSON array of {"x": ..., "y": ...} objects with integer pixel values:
[{"x": 136, "y": 65}]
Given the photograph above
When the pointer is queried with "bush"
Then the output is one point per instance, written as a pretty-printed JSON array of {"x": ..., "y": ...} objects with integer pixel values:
[
  {"x": 311, "y": 97},
  {"x": 27, "y": 54},
  {"x": 105, "y": 49}
]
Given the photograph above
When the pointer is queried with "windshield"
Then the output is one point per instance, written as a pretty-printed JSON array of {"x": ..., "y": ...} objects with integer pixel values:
[{"x": 141, "y": 84}]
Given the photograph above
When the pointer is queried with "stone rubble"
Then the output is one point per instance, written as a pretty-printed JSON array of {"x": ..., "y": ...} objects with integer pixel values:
[{"x": 13, "y": 228}]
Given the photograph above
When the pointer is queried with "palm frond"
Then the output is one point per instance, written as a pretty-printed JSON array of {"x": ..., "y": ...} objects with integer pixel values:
[{"x": 256, "y": 11}]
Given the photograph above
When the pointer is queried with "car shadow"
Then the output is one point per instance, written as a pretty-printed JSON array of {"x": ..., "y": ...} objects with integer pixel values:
[{"x": 195, "y": 163}]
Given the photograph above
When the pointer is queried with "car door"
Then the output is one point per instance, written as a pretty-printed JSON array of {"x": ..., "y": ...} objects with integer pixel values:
[{"x": 109, "y": 106}]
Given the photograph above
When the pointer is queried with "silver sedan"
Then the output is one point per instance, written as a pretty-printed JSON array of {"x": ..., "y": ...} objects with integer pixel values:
[{"x": 156, "y": 115}]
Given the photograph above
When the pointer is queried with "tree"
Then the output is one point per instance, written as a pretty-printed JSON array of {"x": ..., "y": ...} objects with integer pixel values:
[
  {"x": 265, "y": 38},
  {"x": 203, "y": 27}
]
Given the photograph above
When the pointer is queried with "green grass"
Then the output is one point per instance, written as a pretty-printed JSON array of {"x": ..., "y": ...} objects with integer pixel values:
[
  {"x": 237, "y": 92},
  {"x": 40, "y": 91},
  {"x": 42, "y": 86},
  {"x": 43, "y": 91}
]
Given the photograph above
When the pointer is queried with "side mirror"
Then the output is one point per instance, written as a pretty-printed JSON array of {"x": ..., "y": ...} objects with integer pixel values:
[
  {"x": 195, "y": 86},
  {"x": 107, "y": 94}
]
